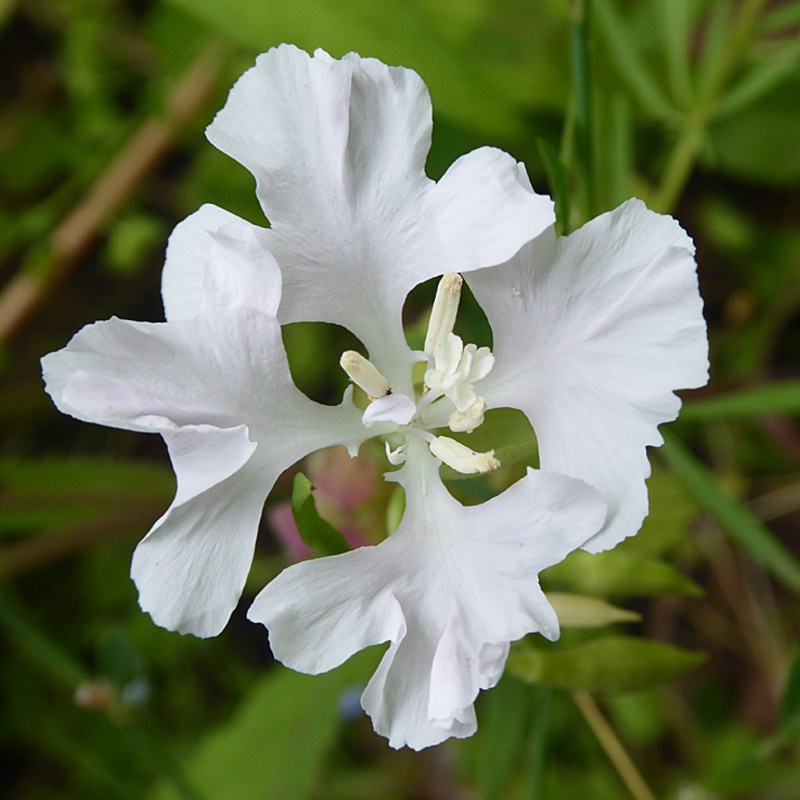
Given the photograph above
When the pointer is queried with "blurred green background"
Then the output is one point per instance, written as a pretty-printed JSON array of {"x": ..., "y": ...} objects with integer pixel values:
[{"x": 692, "y": 105}]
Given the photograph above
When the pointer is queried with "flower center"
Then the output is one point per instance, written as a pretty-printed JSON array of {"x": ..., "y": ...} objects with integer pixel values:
[{"x": 447, "y": 398}]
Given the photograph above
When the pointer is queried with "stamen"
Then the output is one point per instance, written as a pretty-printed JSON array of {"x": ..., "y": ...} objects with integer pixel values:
[
  {"x": 363, "y": 373},
  {"x": 445, "y": 308},
  {"x": 461, "y": 421},
  {"x": 461, "y": 458}
]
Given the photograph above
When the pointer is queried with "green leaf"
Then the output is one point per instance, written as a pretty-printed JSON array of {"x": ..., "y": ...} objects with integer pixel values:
[
  {"x": 762, "y": 545},
  {"x": 623, "y": 51},
  {"x": 790, "y": 704},
  {"x": 578, "y": 611},
  {"x": 49, "y": 495},
  {"x": 674, "y": 17},
  {"x": 314, "y": 530},
  {"x": 760, "y": 143},
  {"x": 760, "y": 80},
  {"x": 617, "y": 573},
  {"x": 495, "y": 752},
  {"x": 606, "y": 664},
  {"x": 396, "y": 31},
  {"x": 672, "y": 510},
  {"x": 275, "y": 745},
  {"x": 779, "y": 397},
  {"x": 556, "y": 181}
]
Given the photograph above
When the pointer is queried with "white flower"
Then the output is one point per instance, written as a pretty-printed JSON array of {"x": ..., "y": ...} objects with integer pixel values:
[{"x": 591, "y": 335}]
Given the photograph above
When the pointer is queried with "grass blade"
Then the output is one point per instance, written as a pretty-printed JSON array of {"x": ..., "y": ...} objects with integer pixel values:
[{"x": 759, "y": 542}]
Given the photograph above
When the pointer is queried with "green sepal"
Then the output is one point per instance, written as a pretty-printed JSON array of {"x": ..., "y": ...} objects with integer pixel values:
[
  {"x": 606, "y": 664},
  {"x": 314, "y": 531}
]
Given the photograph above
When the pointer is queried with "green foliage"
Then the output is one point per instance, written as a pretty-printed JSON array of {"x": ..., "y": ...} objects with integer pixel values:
[
  {"x": 689, "y": 104},
  {"x": 617, "y": 573},
  {"x": 606, "y": 664},
  {"x": 401, "y": 32},
  {"x": 762, "y": 545},
  {"x": 315, "y": 531},
  {"x": 275, "y": 746}
]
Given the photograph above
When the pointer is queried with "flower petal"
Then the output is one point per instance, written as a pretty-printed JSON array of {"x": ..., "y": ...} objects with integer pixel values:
[
  {"x": 338, "y": 150},
  {"x": 188, "y": 250},
  {"x": 217, "y": 387},
  {"x": 395, "y": 408},
  {"x": 592, "y": 335},
  {"x": 449, "y": 589},
  {"x": 191, "y": 567}
]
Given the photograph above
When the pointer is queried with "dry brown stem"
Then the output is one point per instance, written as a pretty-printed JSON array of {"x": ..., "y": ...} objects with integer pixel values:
[{"x": 135, "y": 162}]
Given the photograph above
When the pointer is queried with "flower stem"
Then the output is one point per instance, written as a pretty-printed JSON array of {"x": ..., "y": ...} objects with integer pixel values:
[{"x": 612, "y": 746}]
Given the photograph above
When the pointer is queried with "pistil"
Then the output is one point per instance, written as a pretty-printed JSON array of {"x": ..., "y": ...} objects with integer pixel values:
[{"x": 445, "y": 309}]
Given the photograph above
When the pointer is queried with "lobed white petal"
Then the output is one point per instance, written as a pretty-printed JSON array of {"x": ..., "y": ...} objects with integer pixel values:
[
  {"x": 593, "y": 333},
  {"x": 218, "y": 388},
  {"x": 449, "y": 590},
  {"x": 338, "y": 150}
]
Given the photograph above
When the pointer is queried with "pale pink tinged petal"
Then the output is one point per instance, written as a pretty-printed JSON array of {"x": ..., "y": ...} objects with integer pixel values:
[
  {"x": 486, "y": 210},
  {"x": 191, "y": 567},
  {"x": 462, "y": 583},
  {"x": 592, "y": 335},
  {"x": 183, "y": 277}
]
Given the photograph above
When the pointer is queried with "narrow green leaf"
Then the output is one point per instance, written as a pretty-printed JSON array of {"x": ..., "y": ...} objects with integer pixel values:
[
  {"x": 557, "y": 182},
  {"x": 89, "y": 476},
  {"x": 536, "y": 762},
  {"x": 623, "y": 51},
  {"x": 758, "y": 81},
  {"x": 582, "y": 104},
  {"x": 617, "y": 573},
  {"x": 620, "y": 160},
  {"x": 43, "y": 654},
  {"x": 790, "y": 704},
  {"x": 606, "y": 664},
  {"x": 780, "y": 397},
  {"x": 762, "y": 545},
  {"x": 717, "y": 31},
  {"x": 498, "y": 746},
  {"x": 675, "y": 22},
  {"x": 314, "y": 530},
  {"x": 275, "y": 745}
]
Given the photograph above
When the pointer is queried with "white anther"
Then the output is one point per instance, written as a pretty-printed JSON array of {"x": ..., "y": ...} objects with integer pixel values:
[
  {"x": 461, "y": 458},
  {"x": 467, "y": 421},
  {"x": 445, "y": 308},
  {"x": 363, "y": 373}
]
